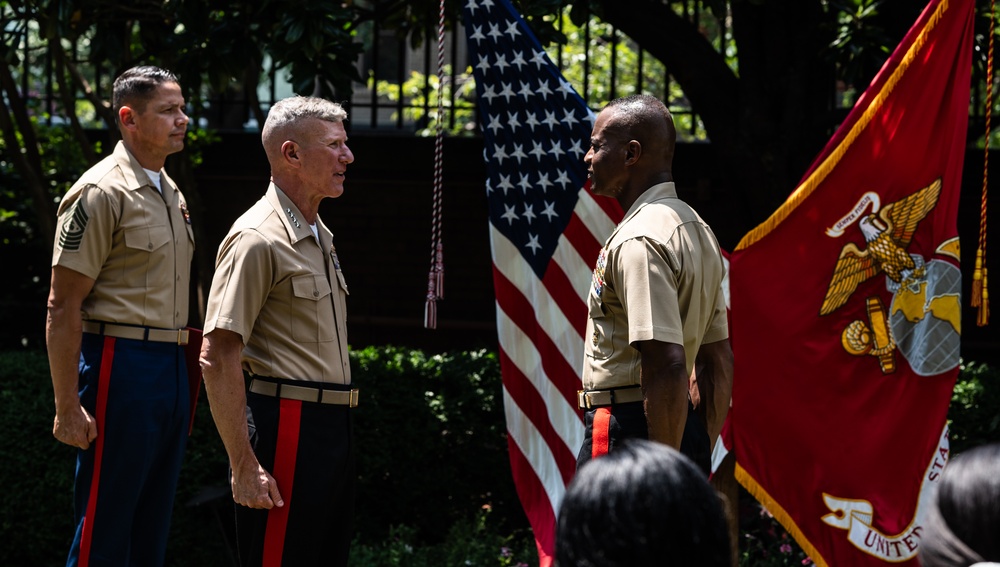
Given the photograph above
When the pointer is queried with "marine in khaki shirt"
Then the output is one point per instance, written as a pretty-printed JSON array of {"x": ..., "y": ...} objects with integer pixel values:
[
  {"x": 136, "y": 244},
  {"x": 117, "y": 306},
  {"x": 656, "y": 306},
  {"x": 659, "y": 277},
  {"x": 277, "y": 311},
  {"x": 284, "y": 293}
]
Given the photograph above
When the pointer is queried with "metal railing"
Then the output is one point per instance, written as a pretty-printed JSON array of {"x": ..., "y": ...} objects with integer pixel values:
[{"x": 372, "y": 109}]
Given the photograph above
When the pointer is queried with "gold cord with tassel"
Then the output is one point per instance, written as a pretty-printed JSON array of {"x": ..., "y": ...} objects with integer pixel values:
[{"x": 980, "y": 292}]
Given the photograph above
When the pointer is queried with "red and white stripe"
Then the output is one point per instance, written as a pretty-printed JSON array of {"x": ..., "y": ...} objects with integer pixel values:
[{"x": 541, "y": 323}]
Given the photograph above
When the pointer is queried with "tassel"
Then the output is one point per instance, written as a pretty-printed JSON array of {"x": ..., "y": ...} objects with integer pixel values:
[
  {"x": 430, "y": 306},
  {"x": 983, "y": 316},
  {"x": 439, "y": 270},
  {"x": 977, "y": 280},
  {"x": 430, "y": 313}
]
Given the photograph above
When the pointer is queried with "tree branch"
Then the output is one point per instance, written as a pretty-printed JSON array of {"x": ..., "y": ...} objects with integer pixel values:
[{"x": 701, "y": 71}]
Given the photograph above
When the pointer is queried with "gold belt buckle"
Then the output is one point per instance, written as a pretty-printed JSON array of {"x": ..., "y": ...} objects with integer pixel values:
[{"x": 353, "y": 398}]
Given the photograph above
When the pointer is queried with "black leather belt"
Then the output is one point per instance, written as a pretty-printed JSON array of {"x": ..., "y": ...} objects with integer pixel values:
[
  {"x": 305, "y": 393},
  {"x": 590, "y": 399}
]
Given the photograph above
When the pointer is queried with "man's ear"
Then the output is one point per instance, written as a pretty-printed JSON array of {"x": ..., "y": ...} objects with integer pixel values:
[
  {"x": 632, "y": 152},
  {"x": 126, "y": 116},
  {"x": 290, "y": 152}
]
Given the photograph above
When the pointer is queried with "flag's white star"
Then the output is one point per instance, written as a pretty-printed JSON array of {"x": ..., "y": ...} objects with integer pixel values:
[
  {"x": 519, "y": 60},
  {"x": 550, "y": 211},
  {"x": 577, "y": 149},
  {"x": 563, "y": 179},
  {"x": 483, "y": 64},
  {"x": 489, "y": 94},
  {"x": 518, "y": 153},
  {"x": 568, "y": 117},
  {"x": 537, "y": 150},
  {"x": 494, "y": 32},
  {"x": 505, "y": 184},
  {"x": 543, "y": 89},
  {"x": 495, "y": 124},
  {"x": 529, "y": 213},
  {"x": 526, "y": 91},
  {"x": 557, "y": 150},
  {"x": 565, "y": 88},
  {"x": 471, "y": 5},
  {"x": 539, "y": 59},
  {"x": 543, "y": 180},
  {"x": 500, "y": 153},
  {"x": 477, "y": 33},
  {"x": 506, "y": 93},
  {"x": 533, "y": 243},
  {"x": 502, "y": 62},
  {"x": 512, "y": 30},
  {"x": 550, "y": 119},
  {"x": 512, "y": 121},
  {"x": 508, "y": 214},
  {"x": 532, "y": 121},
  {"x": 524, "y": 183}
]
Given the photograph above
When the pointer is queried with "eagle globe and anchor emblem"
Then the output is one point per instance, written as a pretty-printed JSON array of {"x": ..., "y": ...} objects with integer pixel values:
[{"x": 922, "y": 321}]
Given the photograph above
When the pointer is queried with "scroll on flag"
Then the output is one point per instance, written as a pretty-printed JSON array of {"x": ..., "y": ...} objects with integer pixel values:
[
  {"x": 846, "y": 313},
  {"x": 545, "y": 233}
]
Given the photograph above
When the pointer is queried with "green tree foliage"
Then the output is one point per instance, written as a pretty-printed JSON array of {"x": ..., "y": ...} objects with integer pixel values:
[{"x": 420, "y": 95}]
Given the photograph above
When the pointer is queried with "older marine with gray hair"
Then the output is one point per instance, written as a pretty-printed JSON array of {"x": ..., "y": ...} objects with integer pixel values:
[{"x": 274, "y": 357}]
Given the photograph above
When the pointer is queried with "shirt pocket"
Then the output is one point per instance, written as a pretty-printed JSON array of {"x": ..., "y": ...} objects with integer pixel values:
[
  {"x": 311, "y": 311},
  {"x": 147, "y": 238},
  {"x": 144, "y": 252},
  {"x": 600, "y": 343}
]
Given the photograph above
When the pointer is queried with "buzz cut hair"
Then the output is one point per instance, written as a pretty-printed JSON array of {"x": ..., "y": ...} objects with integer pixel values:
[
  {"x": 135, "y": 87},
  {"x": 293, "y": 109},
  {"x": 635, "y": 111}
]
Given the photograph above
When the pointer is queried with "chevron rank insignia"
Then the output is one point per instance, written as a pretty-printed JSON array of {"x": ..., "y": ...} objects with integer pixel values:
[{"x": 71, "y": 234}]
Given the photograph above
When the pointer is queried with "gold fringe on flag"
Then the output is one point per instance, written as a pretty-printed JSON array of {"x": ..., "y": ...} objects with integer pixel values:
[
  {"x": 823, "y": 170},
  {"x": 980, "y": 293},
  {"x": 779, "y": 513}
]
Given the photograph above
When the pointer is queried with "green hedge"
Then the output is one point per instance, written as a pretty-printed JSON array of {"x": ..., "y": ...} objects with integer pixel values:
[
  {"x": 434, "y": 487},
  {"x": 432, "y": 459}
]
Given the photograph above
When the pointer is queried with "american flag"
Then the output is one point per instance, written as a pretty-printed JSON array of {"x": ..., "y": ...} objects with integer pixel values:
[{"x": 545, "y": 232}]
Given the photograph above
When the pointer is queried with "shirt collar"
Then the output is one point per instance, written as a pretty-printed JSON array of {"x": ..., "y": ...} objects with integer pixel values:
[
  {"x": 657, "y": 192},
  {"x": 292, "y": 218}
]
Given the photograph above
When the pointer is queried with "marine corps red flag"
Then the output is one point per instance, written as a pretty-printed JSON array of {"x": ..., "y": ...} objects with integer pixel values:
[{"x": 845, "y": 313}]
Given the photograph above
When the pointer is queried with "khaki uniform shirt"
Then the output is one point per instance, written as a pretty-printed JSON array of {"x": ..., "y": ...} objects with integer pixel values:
[
  {"x": 115, "y": 227},
  {"x": 658, "y": 277},
  {"x": 283, "y": 293}
]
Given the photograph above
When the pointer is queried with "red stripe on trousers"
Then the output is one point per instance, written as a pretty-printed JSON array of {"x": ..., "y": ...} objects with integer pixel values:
[
  {"x": 286, "y": 448},
  {"x": 103, "y": 381},
  {"x": 601, "y": 439}
]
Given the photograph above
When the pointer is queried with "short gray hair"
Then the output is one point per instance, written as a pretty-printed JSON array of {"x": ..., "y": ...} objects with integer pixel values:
[{"x": 288, "y": 111}]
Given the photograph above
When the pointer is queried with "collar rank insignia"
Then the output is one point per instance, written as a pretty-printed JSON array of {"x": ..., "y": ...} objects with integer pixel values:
[{"x": 333, "y": 256}]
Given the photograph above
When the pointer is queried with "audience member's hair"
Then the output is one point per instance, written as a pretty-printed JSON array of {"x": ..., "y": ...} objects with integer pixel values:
[
  {"x": 642, "y": 505},
  {"x": 962, "y": 526}
]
